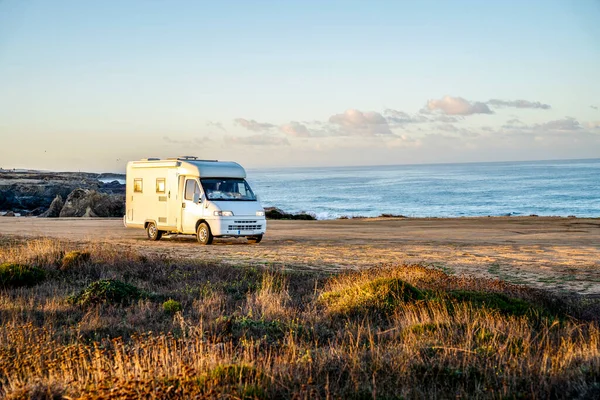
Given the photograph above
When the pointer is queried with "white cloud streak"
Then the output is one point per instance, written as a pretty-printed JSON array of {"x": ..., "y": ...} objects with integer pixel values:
[
  {"x": 217, "y": 125},
  {"x": 566, "y": 124},
  {"x": 357, "y": 123},
  {"x": 519, "y": 104},
  {"x": 456, "y": 106},
  {"x": 252, "y": 125},
  {"x": 295, "y": 129}
]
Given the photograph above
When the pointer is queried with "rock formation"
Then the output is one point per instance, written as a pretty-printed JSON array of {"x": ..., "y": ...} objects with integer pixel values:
[
  {"x": 90, "y": 203},
  {"x": 55, "y": 207},
  {"x": 37, "y": 192}
]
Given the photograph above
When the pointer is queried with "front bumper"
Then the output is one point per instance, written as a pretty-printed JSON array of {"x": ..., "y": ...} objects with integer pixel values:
[{"x": 238, "y": 226}]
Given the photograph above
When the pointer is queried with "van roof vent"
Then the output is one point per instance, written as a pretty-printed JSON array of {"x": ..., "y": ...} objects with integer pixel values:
[{"x": 150, "y": 159}]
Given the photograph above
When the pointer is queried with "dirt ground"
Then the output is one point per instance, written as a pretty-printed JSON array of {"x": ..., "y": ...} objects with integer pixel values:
[{"x": 560, "y": 254}]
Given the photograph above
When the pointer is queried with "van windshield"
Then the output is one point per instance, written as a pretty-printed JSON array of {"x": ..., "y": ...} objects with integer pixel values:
[{"x": 229, "y": 189}]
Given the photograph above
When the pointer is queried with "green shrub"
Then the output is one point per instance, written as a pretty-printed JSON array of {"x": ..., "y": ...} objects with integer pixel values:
[
  {"x": 74, "y": 259},
  {"x": 379, "y": 296},
  {"x": 496, "y": 301},
  {"x": 171, "y": 306},
  {"x": 107, "y": 292},
  {"x": 16, "y": 275}
]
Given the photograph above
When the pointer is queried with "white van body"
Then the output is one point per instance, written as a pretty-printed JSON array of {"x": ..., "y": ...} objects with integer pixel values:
[{"x": 185, "y": 195}]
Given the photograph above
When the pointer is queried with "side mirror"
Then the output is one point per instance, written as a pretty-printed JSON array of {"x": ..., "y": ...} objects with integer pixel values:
[
  {"x": 202, "y": 198},
  {"x": 196, "y": 197}
]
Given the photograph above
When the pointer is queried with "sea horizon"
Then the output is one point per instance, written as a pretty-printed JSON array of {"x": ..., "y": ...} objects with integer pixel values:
[{"x": 508, "y": 188}]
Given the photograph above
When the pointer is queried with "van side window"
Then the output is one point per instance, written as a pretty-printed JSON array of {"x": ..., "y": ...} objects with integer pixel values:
[
  {"x": 137, "y": 185},
  {"x": 160, "y": 185},
  {"x": 191, "y": 187}
]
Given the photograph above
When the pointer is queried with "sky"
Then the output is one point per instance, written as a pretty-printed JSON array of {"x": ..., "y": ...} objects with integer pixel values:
[{"x": 91, "y": 85}]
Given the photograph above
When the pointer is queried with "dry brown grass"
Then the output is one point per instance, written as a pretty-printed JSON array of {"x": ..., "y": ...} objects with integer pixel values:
[{"x": 260, "y": 333}]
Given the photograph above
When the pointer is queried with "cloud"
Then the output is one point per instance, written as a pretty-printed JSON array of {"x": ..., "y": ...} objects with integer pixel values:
[
  {"x": 457, "y": 106},
  {"x": 445, "y": 118},
  {"x": 402, "y": 118},
  {"x": 519, "y": 104},
  {"x": 566, "y": 124},
  {"x": 217, "y": 125},
  {"x": 295, "y": 129},
  {"x": 257, "y": 140},
  {"x": 594, "y": 108},
  {"x": 253, "y": 125},
  {"x": 357, "y": 123},
  {"x": 592, "y": 125}
]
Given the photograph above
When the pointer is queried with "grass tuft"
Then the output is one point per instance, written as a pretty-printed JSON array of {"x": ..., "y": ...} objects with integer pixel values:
[
  {"x": 498, "y": 301},
  {"x": 380, "y": 296},
  {"x": 74, "y": 259},
  {"x": 107, "y": 291},
  {"x": 18, "y": 275}
]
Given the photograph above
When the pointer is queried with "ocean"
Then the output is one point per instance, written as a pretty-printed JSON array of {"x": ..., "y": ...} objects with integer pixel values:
[{"x": 544, "y": 188}]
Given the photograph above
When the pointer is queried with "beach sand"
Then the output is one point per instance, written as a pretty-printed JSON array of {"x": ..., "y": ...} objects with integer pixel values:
[{"x": 559, "y": 254}]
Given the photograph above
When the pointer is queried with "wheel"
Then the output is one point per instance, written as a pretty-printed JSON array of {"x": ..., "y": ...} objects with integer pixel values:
[
  {"x": 153, "y": 232},
  {"x": 255, "y": 239},
  {"x": 203, "y": 234}
]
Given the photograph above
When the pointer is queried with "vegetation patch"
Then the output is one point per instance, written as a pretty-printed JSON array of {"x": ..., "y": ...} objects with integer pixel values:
[
  {"x": 74, "y": 259},
  {"x": 269, "y": 330},
  {"x": 379, "y": 296},
  {"x": 172, "y": 306},
  {"x": 17, "y": 275},
  {"x": 497, "y": 301},
  {"x": 109, "y": 291},
  {"x": 394, "y": 331}
]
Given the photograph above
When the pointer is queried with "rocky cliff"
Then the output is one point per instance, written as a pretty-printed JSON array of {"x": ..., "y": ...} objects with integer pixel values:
[{"x": 50, "y": 193}]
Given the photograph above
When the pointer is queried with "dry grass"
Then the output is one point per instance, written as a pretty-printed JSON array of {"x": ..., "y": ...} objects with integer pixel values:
[{"x": 398, "y": 331}]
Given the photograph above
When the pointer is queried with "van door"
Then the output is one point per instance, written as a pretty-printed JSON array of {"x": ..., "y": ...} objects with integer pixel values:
[
  {"x": 173, "y": 199},
  {"x": 190, "y": 212}
]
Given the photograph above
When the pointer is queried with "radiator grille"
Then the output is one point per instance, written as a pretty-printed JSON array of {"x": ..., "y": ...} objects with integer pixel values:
[{"x": 244, "y": 227}]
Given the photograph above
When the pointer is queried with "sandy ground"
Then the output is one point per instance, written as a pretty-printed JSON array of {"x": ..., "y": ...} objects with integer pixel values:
[{"x": 561, "y": 254}]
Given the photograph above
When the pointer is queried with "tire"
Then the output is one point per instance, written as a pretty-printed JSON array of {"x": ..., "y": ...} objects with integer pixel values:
[
  {"x": 153, "y": 232},
  {"x": 255, "y": 239},
  {"x": 203, "y": 234}
]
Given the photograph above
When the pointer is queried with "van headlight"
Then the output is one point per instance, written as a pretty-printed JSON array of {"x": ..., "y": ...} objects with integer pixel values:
[
  {"x": 223, "y": 213},
  {"x": 260, "y": 213}
]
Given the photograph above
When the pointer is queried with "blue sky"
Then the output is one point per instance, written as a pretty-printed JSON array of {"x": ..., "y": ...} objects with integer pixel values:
[{"x": 90, "y": 85}]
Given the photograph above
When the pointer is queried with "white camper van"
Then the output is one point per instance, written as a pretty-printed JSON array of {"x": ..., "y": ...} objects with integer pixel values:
[{"x": 206, "y": 198}]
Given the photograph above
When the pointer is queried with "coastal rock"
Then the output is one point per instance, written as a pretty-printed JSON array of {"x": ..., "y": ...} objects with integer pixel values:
[
  {"x": 90, "y": 203},
  {"x": 55, "y": 208},
  {"x": 36, "y": 212},
  {"x": 32, "y": 192},
  {"x": 114, "y": 187},
  {"x": 277, "y": 213}
]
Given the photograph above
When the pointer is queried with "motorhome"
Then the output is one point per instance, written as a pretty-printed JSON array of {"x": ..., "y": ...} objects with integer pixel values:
[{"x": 186, "y": 195}]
